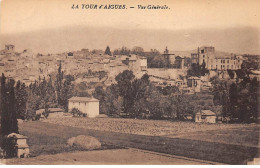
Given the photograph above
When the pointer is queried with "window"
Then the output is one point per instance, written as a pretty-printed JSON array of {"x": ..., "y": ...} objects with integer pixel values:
[
  {"x": 228, "y": 61},
  {"x": 203, "y": 117},
  {"x": 195, "y": 83},
  {"x": 203, "y": 56},
  {"x": 227, "y": 66},
  {"x": 224, "y": 61},
  {"x": 202, "y": 51}
]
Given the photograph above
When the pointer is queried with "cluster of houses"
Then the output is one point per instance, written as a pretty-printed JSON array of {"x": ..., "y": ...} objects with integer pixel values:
[
  {"x": 216, "y": 61},
  {"x": 28, "y": 67}
]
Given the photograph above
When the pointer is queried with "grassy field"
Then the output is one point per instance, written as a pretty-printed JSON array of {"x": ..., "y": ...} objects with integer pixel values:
[
  {"x": 141, "y": 127},
  {"x": 48, "y": 138}
]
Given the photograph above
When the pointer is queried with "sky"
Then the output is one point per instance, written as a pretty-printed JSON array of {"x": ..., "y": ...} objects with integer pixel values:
[{"x": 53, "y": 25}]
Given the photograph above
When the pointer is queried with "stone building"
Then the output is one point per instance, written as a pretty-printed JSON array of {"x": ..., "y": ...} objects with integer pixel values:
[
  {"x": 86, "y": 105},
  {"x": 9, "y": 48},
  {"x": 169, "y": 57},
  {"x": 206, "y": 116},
  {"x": 194, "y": 83},
  {"x": 216, "y": 60}
]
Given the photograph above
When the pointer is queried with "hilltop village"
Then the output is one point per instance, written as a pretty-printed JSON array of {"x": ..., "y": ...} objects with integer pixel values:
[
  {"x": 130, "y": 82},
  {"x": 96, "y": 67}
]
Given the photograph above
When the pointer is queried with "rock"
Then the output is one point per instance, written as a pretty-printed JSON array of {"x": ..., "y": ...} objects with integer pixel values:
[
  {"x": 86, "y": 142},
  {"x": 71, "y": 141}
]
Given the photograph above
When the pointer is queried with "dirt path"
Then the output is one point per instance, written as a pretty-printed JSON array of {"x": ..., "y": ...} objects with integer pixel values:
[{"x": 108, "y": 157}]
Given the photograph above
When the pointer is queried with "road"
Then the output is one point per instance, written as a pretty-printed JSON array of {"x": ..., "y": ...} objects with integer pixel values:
[{"x": 108, "y": 157}]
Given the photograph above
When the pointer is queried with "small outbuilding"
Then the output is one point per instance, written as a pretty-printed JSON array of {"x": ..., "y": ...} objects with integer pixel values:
[
  {"x": 51, "y": 113},
  {"x": 55, "y": 112},
  {"x": 21, "y": 149},
  {"x": 86, "y": 105},
  {"x": 206, "y": 116}
]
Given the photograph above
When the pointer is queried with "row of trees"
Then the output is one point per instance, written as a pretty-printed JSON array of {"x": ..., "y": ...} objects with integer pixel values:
[
  {"x": 239, "y": 100},
  {"x": 126, "y": 51},
  {"x": 41, "y": 94},
  {"x": 197, "y": 70},
  {"x": 139, "y": 98}
]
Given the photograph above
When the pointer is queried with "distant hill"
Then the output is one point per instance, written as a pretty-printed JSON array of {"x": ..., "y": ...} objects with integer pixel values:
[
  {"x": 188, "y": 53},
  {"x": 234, "y": 40}
]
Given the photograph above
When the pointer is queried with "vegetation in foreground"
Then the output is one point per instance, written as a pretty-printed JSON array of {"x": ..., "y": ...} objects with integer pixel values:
[
  {"x": 142, "y": 127},
  {"x": 52, "y": 138}
]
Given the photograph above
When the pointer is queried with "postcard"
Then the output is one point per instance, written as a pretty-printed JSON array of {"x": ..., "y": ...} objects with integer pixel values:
[{"x": 129, "y": 82}]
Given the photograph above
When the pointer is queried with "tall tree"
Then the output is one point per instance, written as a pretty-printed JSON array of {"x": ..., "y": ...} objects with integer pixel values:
[
  {"x": 124, "y": 81},
  {"x": 58, "y": 84},
  {"x": 137, "y": 50},
  {"x": 8, "y": 118},
  {"x": 4, "y": 114},
  {"x": 21, "y": 99},
  {"x": 107, "y": 51},
  {"x": 233, "y": 98}
]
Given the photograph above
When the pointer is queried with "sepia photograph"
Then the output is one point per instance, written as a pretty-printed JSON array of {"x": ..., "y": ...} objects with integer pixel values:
[{"x": 129, "y": 82}]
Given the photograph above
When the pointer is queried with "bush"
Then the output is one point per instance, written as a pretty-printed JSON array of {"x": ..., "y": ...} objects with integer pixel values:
[
  {"x": 77, "y": 113},
  {"x": 46, "y": 113},
  {"x": 86, "y": 142},
  {"x": 37, "y": 117}
]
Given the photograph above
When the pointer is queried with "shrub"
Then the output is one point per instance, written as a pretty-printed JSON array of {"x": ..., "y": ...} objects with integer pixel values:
[
  {"x": 77, "y": 113},
  {"x": 37, "y": 117},
  {"x": 46, "y": 113},
  {"x": 86, "y": 142}
]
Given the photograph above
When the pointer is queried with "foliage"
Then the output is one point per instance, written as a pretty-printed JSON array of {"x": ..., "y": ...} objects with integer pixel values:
[
  {"x": 137, "y": 51},
  {"x": 58, "y": 84},
  {"x": 107, "y": 51},
  {"x": 124, "y": 83},
  {"x": 231, "y": 74},
  {"x": 46, "y": 113},
  {"x": 77, "y": 113},
  {"x": 109, "y": 101},
  {"x": 250, "y": 64},
  {"x": 138, "y": 98},
  {"x": 8, "y": 107},
  {"x": 168, "y": 90},
  {"x": 156, "y": 61},
  {"x": 21, "y": 97},
  {"x": 197, "y": 70},
  {"x": 239, "y": 100},
  {"x": 123, "y": 51}
]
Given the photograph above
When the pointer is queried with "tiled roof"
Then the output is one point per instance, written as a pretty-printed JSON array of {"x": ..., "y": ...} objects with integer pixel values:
[
  {"x": 207, "y": 112},
  {"x": 51, "y": 110},
  {"x": 55, "y": 109},
  {"x": 83, "y": 99}
]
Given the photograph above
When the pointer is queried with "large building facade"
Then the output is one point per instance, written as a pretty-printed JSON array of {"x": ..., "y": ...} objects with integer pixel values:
[{"x": 214, "y": 61}]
